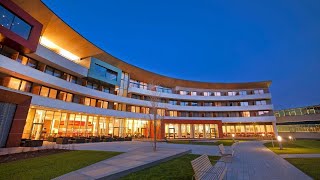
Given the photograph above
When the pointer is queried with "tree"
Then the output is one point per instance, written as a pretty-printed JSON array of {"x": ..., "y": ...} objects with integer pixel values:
[{"x": 157, "y": 110}]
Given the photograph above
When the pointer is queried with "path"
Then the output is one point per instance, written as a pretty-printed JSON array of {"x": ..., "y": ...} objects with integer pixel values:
[
  {"x": 124, "y": 164},
  {"x": 254, "y": 161},
  {"x": 300, "y": 155}
]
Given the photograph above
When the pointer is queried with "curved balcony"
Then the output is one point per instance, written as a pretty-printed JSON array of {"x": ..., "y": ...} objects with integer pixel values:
[{"x": 198, "y": 98}]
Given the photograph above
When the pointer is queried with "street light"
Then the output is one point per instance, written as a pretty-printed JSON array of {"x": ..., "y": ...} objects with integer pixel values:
[
  {"x": 280, "y": 143},
  {"x": 290, "y": 137},
  {"x": 233, "y": 137}
]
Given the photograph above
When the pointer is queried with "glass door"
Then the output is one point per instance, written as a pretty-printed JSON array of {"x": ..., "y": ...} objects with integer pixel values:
[
  {"x": 172, "y": 132},
  {"x": 36, "y": 132},
  {"x": 213, "y": 133}
]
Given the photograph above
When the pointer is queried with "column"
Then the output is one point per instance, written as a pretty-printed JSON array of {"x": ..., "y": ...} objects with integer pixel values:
[
  {"x": 274, "y": 125},
  {"x": 179, "y": 130},
  {"x": 191, "y": 131},
  {"x": 204, "y": 131}
]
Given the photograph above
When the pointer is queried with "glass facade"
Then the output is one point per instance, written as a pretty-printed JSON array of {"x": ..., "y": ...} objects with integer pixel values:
[
  {"x": 41, "y": 124},
  {"x": 247, "y": 130},
  {"x": 14, "y": 23},
  {"x": 191, "y": 130}
]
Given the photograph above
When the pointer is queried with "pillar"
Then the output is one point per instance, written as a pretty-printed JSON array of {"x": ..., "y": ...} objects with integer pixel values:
[
  {"x": 275, "y": 131},
  {"x": 191, "y": 131},
  {"x": 179, "y": 130}
]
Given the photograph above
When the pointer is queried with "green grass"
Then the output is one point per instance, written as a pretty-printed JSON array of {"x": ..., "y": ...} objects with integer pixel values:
[
  {"x": 48, "y": 167},
  {"x": 225, "y": 142},
  {"x": 179, "y": 168},
  {"x": 296, "y": 147},
  {"x": 309, "y": 166}
]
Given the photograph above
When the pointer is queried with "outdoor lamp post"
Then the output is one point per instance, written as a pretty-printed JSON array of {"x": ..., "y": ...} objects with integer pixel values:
[
  {"x": 290, "y": 137},
  {"x": 280, "y": 143},
  {"x": 233, "y": 137},
  {"x": 263, "y": 135}
]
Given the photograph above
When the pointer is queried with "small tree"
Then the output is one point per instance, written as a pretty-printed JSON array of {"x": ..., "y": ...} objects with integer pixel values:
[{"x": 154, "y": 100}]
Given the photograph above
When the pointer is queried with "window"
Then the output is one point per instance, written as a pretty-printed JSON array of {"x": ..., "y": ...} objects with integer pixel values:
[
  {"x": 102, "y": 104},
  {"x": 207, "y": 103},
  {"x": 194, "y": 104},
  {"x": 173, "y": 102},
  {"x": 232, "y": 93},
  {"x": 105, "y": 72},
  {"x": 217, "y": 103},
  {"x": 244, "y": 104},
  {"x": 258, "y": 91},
  {"x": 217, "y": 93},
  {"x": 263, "y": 113},
  {"x": 53, "y": 72},
  {"x": 173, "y": 113},
  {"x": 242, "y": 92},
  {"x": 92, "y": 85},
  {"x": 182, "y": 103},
  {"x": 206, "y": 93},
  {"x": 53, "y": 93},
  {"x": 14, "y": 23},
  {"x": 64, "y": 96},
  {"x": 111, "y": 75},
  {"x": 19, "y": 84},
  {"x": 70, "y": 78},
  {"x": 44, "y": 91},
  {"x": 161, "y": 112},
  {"x": 245, "y": 114},
  {"x": 183, "y": 92},
  {"x": 193, "y": 93},
  {"x": 263, "y": 102},
  {"x": 90, "y": 102}
]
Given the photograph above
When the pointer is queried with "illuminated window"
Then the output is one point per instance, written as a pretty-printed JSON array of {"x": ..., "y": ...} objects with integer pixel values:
[
  {"x": 193, "y": 93},
  {"x": 245, "y": 114},
  {"x": 206, "y": 93},
  {"x": 232, "y": 93},
  {"x": 217, "y": 93}
]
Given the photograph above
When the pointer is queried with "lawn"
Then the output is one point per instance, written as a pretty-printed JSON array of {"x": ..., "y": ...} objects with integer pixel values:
[
  {"x": 179, "y": 168},
  {"x": 296, "y": 147},
  {"x": 48, "y": 167},
  {"x": 225, "y": 142},
  {"x": 309, "y": 166}
]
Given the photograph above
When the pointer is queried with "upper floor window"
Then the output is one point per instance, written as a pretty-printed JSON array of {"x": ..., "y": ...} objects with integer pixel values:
[
  {"x": 244, "y": 104},
  {"x": 183, "y": 92},
  {"x": 105, "y": 72},
  {"x": 182, "y": 103},
  {"x": 19, "y": 84},
  {"x": 245, "y": 114},
  {"x": 217, "y": 93},
  {"x": 193, "y": 93},
  {"x": 206, "y": 93},
  {"x": 232, "y": 93},
  {"x": 263, "y": 102},
  {"x": 173, "y": 102},
  {"x": 194, "y": 104},
  {"x": 258, "y": 91},
  {"x": 242, "y": 92},
  {"x": 14, "y": 23}
]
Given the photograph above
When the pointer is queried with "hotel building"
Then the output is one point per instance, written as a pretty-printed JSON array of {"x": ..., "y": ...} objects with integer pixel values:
[{"x": 54, "y": 82}]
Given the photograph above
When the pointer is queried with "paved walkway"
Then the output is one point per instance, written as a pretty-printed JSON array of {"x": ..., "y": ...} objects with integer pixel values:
[
  {"x": 254, "y": 161},
  {"x": 126, "y": 146},
  {"x": 300, "y": 155},
  {"x": 125, "y": 163}
]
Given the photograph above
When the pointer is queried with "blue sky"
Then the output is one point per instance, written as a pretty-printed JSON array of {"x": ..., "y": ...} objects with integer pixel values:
[{"x": 215, "y": 41}]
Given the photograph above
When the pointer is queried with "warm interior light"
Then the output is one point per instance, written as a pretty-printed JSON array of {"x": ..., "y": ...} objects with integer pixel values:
[
  {"x": 279, "y": 138},
  {"x": 52, "y": 46}
]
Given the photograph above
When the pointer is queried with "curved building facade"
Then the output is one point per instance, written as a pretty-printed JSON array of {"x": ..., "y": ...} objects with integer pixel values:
[{"x": 54, "y": 82}]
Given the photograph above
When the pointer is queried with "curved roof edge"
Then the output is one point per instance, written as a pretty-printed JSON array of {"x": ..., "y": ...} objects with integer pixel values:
[{"x": 59, "y": 32}]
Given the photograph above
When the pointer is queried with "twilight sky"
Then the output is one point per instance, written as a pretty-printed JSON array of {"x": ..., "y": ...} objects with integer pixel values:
[{"x": 211, "y": 40}]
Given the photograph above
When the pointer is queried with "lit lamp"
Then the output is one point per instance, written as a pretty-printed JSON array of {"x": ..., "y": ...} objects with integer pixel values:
[
  {"x": 263, "y": 135},
  {"x": 280, "y": 143},
  {"x": 290, "y": 137},
  {"x": 233, "y": 137}
]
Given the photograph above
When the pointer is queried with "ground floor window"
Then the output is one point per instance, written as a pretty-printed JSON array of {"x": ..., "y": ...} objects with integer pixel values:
[
  {"x": 191, "y": 130},
  {"x": 41, "y": 124},
  {"x": 247, "y": 129}
]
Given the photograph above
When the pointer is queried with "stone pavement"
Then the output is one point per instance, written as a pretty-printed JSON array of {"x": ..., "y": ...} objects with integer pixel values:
[
  {"x": 126, "y": 146},
  {"x": 125, "y": 163},
  {"x": 253, "y": 160},
  {"x": 300, "y": 155}
]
